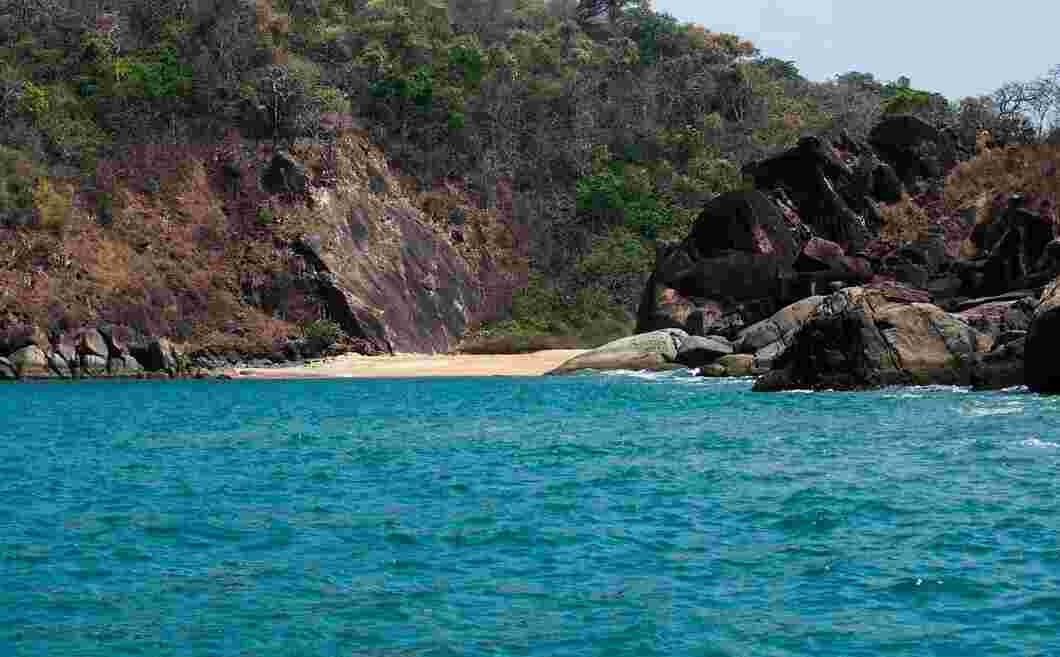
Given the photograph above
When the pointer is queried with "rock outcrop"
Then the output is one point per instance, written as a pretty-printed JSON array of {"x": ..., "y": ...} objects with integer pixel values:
[
  {"x": 1042, "y": 361},
  {"x": 104, "y": 352},
  {"x": 812, "y": 225},
  {"x": 733, "y": 269},
  {"x": 869, "y": 337}
]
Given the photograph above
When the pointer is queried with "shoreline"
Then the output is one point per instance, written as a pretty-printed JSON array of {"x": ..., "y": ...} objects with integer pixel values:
[{"x": 353, "y": 366}]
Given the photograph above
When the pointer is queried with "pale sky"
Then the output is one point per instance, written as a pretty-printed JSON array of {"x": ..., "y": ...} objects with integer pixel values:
[{"x": 956, "y": 48}]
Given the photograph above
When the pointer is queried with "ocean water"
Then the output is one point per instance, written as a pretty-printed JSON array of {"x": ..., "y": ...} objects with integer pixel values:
[{"x": 592, "y": 515}]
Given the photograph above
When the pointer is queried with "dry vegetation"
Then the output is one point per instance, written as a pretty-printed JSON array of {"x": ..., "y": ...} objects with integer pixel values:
[{"x": 903, "y": 221}]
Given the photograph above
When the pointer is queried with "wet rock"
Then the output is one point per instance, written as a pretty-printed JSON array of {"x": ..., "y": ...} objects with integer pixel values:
[
  {"x": 7, "y": 369},
  {"x": 1002, "y": 367}
]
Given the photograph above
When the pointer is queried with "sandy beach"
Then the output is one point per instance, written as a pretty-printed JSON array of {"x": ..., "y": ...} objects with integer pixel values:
[{"x": 416, "y": 365}]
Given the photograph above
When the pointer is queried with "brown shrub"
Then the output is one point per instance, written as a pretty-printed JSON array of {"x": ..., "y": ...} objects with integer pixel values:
[
  {"x": 904, "y": 220},
  {"x": 1024, "y": 168}
]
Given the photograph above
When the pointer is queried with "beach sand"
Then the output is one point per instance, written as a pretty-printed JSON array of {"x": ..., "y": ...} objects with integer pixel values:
[{"x": 415, "y": 365}]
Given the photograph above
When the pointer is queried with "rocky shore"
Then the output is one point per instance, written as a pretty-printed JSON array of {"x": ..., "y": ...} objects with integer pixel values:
[{"x": 803, "y": 282}]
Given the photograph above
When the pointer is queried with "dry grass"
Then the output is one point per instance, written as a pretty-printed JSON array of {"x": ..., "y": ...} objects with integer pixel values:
[
  {"x": 1028, "y": 169},
  {"x": 904, "y": 220}
]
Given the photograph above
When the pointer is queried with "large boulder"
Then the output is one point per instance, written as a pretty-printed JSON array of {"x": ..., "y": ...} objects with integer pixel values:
[
  {"x": 1042, "y": 364},
  {"x": 777, "y": 326},
  {"x": 916, "y": 149},
  {"x": 696, "y": 351},
  {"x": 646, "y": 351},
  {"x": 734, "y": 268},
  {"x": 827, "y": 192},
  {"x": 1002, "y": 367},
  {"x": 157, "y": 355},
  {"x": 31, "y": 363},
  {"x": 868, "y": 337}
]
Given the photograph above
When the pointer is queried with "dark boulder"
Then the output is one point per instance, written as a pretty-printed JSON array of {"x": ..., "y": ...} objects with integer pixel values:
[
  {"x": 734, "y": 268},
  {"x": 825, "y": 191},
  {"x": 157, "y": 355},
  {"x": 285, "y": 175},
  {"x": 915, "y": 148},
  {"x": 1042, "y": 365},
  {"x": 696, "y": 351},
  {"x": 747, "y": 222},
  {"x": 822, "y": 262},
  {"x": 1002, "y": 367}
]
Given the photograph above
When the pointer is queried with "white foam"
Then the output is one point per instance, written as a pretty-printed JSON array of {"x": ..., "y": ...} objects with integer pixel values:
[{"x": 1037, "y": 443}]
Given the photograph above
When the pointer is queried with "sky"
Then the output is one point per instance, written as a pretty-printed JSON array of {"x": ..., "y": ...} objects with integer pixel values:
[{"x": 956, "y": 48}]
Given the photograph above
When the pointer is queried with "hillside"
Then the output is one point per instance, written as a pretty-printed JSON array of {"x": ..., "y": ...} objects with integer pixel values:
[{"x": 258, "y": 179}]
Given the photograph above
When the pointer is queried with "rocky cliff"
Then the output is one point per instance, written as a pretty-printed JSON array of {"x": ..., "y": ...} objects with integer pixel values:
[{"x": 235, "y": 251}]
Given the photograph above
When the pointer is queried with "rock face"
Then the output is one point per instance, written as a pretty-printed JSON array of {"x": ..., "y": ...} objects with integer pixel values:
[
  {"x": 1042, "y": 367},
  {"x": 386, "y": 275},
  {"x": 734, "y": 266},
  {"x": 811, "y": 226},
  {"x": 868, "y": 337}
]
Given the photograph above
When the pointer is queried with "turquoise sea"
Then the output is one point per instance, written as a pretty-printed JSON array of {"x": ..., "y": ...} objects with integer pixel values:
[{"x": 592, "y": 515}]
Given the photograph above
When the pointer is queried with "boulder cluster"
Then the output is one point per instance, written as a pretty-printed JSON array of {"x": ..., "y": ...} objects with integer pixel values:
[
  {"x": 105, "y": 351},
  {"x": 803, "y": 278}
]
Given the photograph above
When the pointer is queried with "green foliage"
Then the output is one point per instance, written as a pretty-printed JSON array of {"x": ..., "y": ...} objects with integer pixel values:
[
  {"x": 18, "y": 176},
  {"x": 544, "y": 317},
  {"x": 159, "y": 75},
  {"x": 323, "y": 331},
  {"x": 619, "y": 251}
]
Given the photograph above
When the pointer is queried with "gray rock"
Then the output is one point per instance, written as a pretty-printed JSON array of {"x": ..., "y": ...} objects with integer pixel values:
[
  {"x": 124, "y": 366},
  {"x": 93, "y": 365},
  {"x": 696, "y": 351},
  {"x": 656, "y": 350},
  {"x": 769, "y": 330},
  {"x": 90, "y": 342},
  {"x": 60, "y": 366},
  {"x": 7, "y": 369}
]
